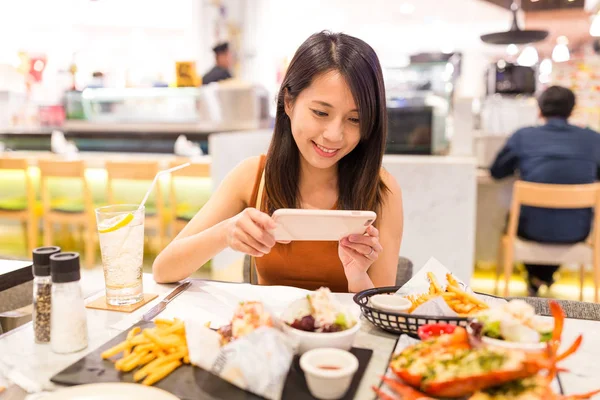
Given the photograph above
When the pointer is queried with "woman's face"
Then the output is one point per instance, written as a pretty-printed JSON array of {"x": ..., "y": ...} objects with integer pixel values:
[{"x": 324, "y": 120}]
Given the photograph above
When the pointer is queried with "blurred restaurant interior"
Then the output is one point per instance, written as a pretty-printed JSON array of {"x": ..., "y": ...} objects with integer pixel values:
[{"x": 116, "y": 88}]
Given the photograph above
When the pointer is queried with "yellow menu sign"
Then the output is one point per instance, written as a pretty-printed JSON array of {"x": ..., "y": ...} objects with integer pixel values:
[{"x": 186, "y": 74}]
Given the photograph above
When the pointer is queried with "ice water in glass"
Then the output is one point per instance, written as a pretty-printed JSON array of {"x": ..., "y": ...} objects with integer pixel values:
[{"x": 121, "y": 234}]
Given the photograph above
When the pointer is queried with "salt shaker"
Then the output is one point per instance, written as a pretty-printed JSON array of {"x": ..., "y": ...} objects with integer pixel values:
[
  {"x": 42, "y": 291},
  {"x": 68, "y": 328}
]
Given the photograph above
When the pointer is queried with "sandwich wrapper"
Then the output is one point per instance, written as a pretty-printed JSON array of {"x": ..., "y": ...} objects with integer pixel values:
[
  {"x": 258, "y": 362},
  {"x": 437, "y": 307}
]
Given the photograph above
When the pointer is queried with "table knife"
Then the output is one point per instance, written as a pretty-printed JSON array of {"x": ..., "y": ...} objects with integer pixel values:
[{"x": 157, "y": 309}]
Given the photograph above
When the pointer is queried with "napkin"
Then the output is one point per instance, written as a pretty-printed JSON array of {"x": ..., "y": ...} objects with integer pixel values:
[
  {"x": 258, "y": 362},
  {"x": 419, "y": 284},
  {"x": 186, "y": 148},
  {"x": 60, "y": 145}
]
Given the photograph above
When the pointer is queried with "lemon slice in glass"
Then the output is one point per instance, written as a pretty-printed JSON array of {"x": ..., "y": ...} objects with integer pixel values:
[{"x": 120, "y": 224}]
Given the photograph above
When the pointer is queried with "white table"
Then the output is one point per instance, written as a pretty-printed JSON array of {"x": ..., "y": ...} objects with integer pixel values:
[{"x": 215, "y": 300}]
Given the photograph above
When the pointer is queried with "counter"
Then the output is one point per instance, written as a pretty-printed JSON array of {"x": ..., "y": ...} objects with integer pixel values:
[{"x": 122, "y": 137}]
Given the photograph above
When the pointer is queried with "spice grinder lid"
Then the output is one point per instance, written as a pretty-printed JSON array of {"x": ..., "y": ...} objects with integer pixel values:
[
  {"x": 65, "y": 267},
  {"x": 41, "y": 259}
]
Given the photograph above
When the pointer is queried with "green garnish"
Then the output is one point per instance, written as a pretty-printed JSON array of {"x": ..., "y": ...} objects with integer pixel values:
[
  {"x": 490, "y": 361},
  {"x": 340, "y": 320},
  {"x": 545, "y": 337},
  {"x": 492, "y": 329},
  {"x": 512, "y": 388}
]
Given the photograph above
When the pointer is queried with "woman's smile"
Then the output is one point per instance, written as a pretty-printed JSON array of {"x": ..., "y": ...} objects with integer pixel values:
[{"x": 324, "y": 151}]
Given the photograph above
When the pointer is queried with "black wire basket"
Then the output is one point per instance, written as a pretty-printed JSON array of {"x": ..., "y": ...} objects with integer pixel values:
[{"x": 398, "y": 323}]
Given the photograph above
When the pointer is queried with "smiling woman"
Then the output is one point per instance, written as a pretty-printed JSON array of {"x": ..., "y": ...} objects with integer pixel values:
[{"x": 326, "y": 153}]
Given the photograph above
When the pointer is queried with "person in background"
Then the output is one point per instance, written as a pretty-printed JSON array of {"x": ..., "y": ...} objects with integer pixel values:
[
  {"x": 326, "y": 153},
  {"x": 223, "y": 62},
  {"x": 555, "y": 153}
]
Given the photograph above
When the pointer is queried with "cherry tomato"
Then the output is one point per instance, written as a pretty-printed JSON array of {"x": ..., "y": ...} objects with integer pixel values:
[{"x": 434, "y": 330}]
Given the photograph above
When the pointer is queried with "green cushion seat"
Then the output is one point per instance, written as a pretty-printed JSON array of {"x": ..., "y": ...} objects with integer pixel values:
[
  {"x": 13, "y": 204},
  {"x": 67, "y": 205}
]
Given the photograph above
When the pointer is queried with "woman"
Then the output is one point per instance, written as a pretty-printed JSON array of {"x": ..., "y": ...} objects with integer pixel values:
[{"x": 326, "y": 153}]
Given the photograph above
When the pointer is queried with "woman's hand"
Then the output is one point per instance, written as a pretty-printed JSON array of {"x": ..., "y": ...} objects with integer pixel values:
[
  {"x": 358, "y": 252},
  {"x": 248, "y": 232}
]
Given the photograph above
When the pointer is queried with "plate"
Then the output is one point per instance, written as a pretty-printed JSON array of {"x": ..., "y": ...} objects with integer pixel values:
[{"x": 112, "y": 391}]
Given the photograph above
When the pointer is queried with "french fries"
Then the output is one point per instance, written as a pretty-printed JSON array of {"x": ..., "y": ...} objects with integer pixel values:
[
  {"x": 434, "y": 286},
  {"x": 417, "y": 300},
  {"x": 461, "y": 302},
  {"x": 157, "y": 351}
]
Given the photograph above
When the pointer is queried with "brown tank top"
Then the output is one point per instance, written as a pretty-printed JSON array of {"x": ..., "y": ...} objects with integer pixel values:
[{"x": 304, "y": 264}]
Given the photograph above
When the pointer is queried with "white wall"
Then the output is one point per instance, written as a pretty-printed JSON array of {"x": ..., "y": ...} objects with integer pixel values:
[
  {"x": 126, "y": 39},
  {"x": 277, "y": 27}
]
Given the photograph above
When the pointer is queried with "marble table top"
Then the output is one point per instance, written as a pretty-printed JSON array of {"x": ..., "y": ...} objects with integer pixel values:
[{"x": 31, "y": 365}]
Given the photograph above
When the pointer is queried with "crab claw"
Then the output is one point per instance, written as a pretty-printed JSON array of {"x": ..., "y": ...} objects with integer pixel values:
[
  {"x": 582, "y": 396},
  {"x": 559, "y": 321},
  {"x": 571, "y": 349},
  {"x": 381, "y": 394}
]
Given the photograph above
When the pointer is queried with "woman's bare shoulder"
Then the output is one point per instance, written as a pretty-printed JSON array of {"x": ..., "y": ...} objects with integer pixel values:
[
  {"x": 243, "y": 177},
  {"x": 391, "y": 183}
]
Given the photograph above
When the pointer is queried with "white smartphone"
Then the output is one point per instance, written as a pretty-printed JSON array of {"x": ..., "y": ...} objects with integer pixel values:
[{"x": 321, "y": 225}]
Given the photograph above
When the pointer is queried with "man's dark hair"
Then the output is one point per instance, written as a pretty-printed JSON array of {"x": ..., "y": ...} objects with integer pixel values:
[
  {"x": 556, "y": 102},
  {"x": 221, "y": 48}
]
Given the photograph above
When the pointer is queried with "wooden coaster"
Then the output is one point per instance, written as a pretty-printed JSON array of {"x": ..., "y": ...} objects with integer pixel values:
[{"x": 100, "y": 304}]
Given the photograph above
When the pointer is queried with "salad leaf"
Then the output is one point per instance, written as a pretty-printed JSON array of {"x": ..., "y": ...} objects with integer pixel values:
[
  {"x": 492, "y": 329},
  {"x": 340, "y": 320},
  {"x": 545, "y": 336}
]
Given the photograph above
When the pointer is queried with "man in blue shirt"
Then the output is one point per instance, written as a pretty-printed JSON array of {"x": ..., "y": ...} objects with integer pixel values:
[{"x": 556, "y": 153}]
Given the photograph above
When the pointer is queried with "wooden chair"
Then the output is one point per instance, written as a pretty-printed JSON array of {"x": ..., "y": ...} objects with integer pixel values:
[
  {"x": 552, "y": 196},
  {"x": 179, "y": 217},
  {"x": 139, "y": 171},
  {"x": 80, "y": 212},
  {"x": 22, "y": 210}
]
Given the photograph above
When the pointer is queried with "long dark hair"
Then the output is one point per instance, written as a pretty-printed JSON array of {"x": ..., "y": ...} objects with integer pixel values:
[{"x": 359, "y": 183}]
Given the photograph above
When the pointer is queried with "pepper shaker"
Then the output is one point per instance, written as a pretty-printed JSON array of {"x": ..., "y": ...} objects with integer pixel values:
[
  {"x": 68, "y": 323},
  {"x": 42, "y": 292}
]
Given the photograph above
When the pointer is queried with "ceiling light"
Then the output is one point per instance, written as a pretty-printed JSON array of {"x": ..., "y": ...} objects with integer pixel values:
[
  {"x": 515, "y": 35},
  {"x": 546, "y": 66},
  {"x": 561, "y": 50},
  {"x": 529, "y": 57},
  {"x": 512, "y": 50},
  {"x": 447, "y": 49},
  {"x": 407, "y": 8}
]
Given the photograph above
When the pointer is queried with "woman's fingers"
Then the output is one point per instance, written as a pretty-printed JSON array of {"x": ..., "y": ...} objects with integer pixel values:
[
  {"x": 372, "y": 231},
  {"x": 357, "y": 255},
  {"x": 244, "y": 248},
  {"x": 370, "y": 252},
  {"x": 252, "y": 242},
  {"x": 360, "y": 248},
  {"x": 257, "y": 233},
  {"x": 371, "y": 241},
  {"x": 261, "y": 218}
]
